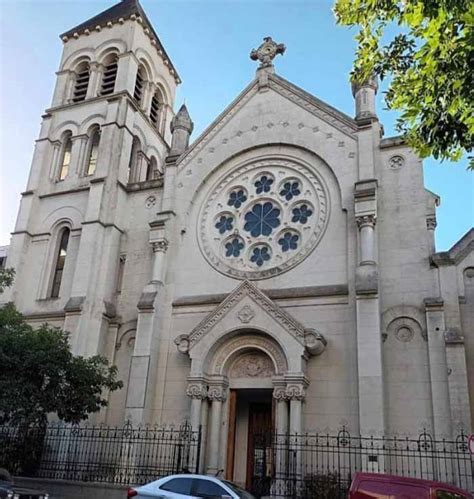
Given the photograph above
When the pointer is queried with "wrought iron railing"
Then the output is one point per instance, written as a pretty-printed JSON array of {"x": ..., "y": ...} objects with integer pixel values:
[
  {"x": 121, "y": 455},
  {"x": 322, "y": 465}
]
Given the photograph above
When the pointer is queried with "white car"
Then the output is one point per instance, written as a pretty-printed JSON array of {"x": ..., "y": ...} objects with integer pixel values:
[{"x": 189, "y": 486}]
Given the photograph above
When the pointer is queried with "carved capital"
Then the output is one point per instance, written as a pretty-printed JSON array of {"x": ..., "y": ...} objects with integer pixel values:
[
  {"x": 295, "y": 391},
  {"x": 315, "y": 342},
  {"x": 431, "y": 223},
  {"x": 160, "y": 246},
  {"x": 182, "y": 343},
  {"x": 279, "y": 393},
  {"x": 366, "y": 221},
  {"x": 196, "y": 390},
  {"x": 217, "y": 393}
]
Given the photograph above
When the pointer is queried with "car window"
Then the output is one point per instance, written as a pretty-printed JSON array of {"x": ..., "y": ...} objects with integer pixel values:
[
  {"x": 178, "y": 486},
  {"x": 446, "y": 494},
  {"x": 206, "y": 488}
]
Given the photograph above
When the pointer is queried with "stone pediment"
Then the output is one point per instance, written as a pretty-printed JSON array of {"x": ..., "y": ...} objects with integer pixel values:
[
  {"x": 245, "y": 303},
  {"x": 340, "y": 121}
]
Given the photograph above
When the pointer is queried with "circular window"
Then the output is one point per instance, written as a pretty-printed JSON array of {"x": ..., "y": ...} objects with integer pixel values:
[{"x": 263, "y": 218}]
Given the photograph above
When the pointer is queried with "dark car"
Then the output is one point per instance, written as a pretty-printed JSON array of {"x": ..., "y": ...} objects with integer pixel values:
[
  {"x": 8, "y": 490},
  {"x": 381, "y": 486}
]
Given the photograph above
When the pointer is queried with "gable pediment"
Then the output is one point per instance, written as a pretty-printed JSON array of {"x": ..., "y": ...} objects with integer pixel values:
[
  {"x": 326, "y": 113},
  {"x": 247, "y": 306}
]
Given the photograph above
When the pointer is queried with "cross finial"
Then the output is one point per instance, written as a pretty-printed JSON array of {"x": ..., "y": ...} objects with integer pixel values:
[{"x": 267, "y": 52}]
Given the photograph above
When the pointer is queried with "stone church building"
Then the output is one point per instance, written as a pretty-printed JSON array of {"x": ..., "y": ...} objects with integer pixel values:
[{"x": 279, "y": 271}]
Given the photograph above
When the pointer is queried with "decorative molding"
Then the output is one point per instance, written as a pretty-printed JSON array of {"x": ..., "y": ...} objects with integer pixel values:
[
  {"x": 366, "y": 221},
  {"x": 246, "y": 314},
  {"x": 217, "y": 393},
  {"x": 196, "y": 390},
  {"x": 252, "y": 365},
  {"x": 404, "y": 329},
  {"x": 160, "y": 246},
  {"x": 246, "y": 288},
  {"x": 150, "y": 201},
  {"x": 279, "y": 393},
  {"x": 396, "y": 162},
  {"x": 431, "y": 223},
  {"x": 259, "y": 343}
]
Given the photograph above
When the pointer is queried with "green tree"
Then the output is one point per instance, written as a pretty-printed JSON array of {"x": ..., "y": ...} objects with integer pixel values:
[
  {"x": 39, "y": 374},
  {"x": 430, "y": 61}
]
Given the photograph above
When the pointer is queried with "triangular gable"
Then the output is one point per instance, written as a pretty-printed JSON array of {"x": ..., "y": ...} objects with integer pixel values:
[
  {"x": 344, "y": 123},
  {"x": 245, "y": 289}
]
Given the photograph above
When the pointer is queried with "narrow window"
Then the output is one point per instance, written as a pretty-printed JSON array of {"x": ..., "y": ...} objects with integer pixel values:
[
  {"x": 132, "y": 164},
  {"x": 139, "y": 83},
  {"x": 60, "y": 260},
  {"x": 65, "y": 157},
  {"x": 121, "y": 268},
  {"x": 155, "y": 111},
  {"x": 109, "y": 77},
  {"x": 93, "y": 152},
  {"x": 82, "y": 82},
  {"x": 152, "y": 172}
]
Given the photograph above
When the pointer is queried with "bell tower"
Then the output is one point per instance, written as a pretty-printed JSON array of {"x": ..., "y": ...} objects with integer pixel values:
[{"x": 102, "y": 143}]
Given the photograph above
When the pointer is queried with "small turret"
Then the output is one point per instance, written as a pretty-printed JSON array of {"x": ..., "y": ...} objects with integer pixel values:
[
  {"x": 364, "y": 95},
  {"x": 181, "y": 128}
]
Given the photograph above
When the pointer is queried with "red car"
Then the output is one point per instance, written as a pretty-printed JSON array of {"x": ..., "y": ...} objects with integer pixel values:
[{"x": 380, "y": 486}]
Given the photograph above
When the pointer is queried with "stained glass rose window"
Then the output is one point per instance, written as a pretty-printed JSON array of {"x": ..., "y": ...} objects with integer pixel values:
[{"x": 263, "y": 218}]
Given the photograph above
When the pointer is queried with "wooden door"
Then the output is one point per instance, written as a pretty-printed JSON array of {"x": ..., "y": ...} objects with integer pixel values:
[{"x": 259, "y": 463}]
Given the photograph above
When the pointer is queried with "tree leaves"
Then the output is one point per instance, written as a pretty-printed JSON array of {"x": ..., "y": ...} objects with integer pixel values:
[
  {"x": 430, "y": 63},
  {"x": 40, "y": 375}
]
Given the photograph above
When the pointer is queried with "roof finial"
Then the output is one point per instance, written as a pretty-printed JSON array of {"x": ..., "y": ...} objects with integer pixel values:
[{"x": 267, "y": 51}]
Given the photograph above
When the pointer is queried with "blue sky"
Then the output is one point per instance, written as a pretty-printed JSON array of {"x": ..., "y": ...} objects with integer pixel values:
[{"x": 209, "y": 43}]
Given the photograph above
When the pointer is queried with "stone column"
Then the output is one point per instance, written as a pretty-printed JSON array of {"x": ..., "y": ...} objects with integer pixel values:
[
  {"x": 430, "y": 227},
  {"x": 197, "y": 392},
  {"x": 94, "y": 79},
  {"x": 296, "y": 392},
  {"x": 438, "y": 367},
  {"x": 366, "y": 225},
  {"x": 280, "y": 439},
  {"x": 217, "y": 394}
]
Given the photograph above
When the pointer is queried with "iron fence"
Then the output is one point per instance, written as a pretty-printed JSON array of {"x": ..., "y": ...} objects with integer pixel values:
[
  {"x": 120, "y": 455},
  {"x": 322, "y": 465}
]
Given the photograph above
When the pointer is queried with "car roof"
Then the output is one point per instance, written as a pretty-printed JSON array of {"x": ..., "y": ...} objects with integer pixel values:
[{"x": 406, "y": 479}]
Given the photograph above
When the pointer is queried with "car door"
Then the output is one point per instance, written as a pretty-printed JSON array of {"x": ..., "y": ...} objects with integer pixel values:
[
  {"x": 208, "y": 488},
  {"x": 176, "y": 488}
]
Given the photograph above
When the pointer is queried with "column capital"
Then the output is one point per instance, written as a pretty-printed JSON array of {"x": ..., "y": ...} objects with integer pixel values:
[
  {"x": 366, "y": 221},
  {"x": 279, "y": 393},
  {"x": 196, "y": 390},
  {"x": 431, "y": 223},
  {"x": 217, "y": 393},
  {"x": 160, "y": 245},
  {"x": 296, "y": 385}
]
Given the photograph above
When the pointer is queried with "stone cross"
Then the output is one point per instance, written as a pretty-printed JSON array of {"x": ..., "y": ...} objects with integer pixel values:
[{"x": 267, "y": 52}]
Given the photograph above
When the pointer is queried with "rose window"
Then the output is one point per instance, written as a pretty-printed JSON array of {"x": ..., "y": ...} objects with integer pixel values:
[{"x": 263, "y": 218}]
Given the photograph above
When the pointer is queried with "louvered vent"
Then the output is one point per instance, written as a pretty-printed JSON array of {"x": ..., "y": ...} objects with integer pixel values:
[
  {"x": 82, "y": 82},
  {"x": 108, "y": 80},
  {"x": 138, "y": 87},
  {"x": 155, "y": 111}
]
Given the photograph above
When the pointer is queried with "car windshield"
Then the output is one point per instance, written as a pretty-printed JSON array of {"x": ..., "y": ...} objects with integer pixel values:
[{"x": 243, "y": 494}]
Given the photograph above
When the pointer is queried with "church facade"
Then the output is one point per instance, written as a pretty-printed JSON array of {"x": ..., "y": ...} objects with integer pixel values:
[{"x": 279, "y": 271}]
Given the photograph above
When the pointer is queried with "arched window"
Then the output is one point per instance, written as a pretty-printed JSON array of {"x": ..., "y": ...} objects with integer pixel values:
[
  {"x": 110, "y": 75},
  {"x": 65, "y": 156},
  {"x": 139, "y": 85},
  {"x": 60, "y": 261},
  {"x": 93, "y": 151},
  {"x": 152, "y": 171},
  {"x": 133, "y": 163},
  {"x": 82, "y": 82},
  {"x": 156, "y": 109}
]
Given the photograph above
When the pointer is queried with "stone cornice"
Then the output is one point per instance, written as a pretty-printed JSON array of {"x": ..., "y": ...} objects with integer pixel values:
[{"x": 274, "y": 294}]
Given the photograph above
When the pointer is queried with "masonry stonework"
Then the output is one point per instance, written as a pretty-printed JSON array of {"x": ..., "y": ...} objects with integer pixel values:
[{"x": 284, "y": 257}]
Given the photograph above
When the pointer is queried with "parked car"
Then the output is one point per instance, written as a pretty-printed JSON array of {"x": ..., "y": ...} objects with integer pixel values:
[
  {"x": 8, "y": 490},
  {"x": 189, "y": 486},
  {"x": 381, "y": 486}
]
